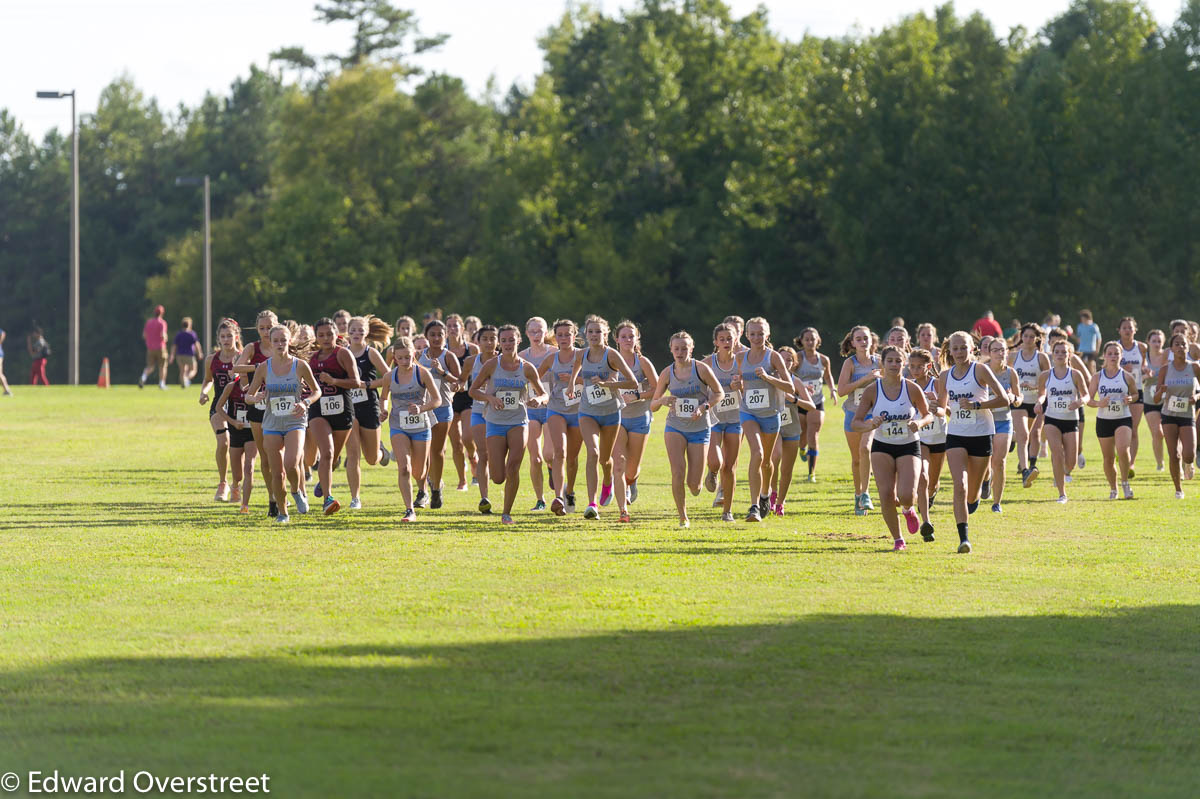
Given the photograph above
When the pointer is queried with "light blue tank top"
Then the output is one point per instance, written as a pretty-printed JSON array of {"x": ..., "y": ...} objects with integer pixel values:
[
  {"x": 598, "y": 402},
  {"x": 444, "y": 387},
  {"x": 510, "y": 385},
  {"x": 758, "y": 396},
  {"x": 411, "y": 392},
  {"x": 858, "y": 372},
  {"x": 282, "y": 393},
  {"x": 635, "y": 408},
  {"x": 558, "y": 374},
  {"x": 727, "y": 410},
  {"x": 688, "y": 392}
]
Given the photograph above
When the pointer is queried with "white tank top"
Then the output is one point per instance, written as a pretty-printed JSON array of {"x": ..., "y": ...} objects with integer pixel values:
[
  {"x": 1111, "y": 391},
  {"x": 897, "y": 412},
  {"x": 1060, "y": 393},
  {"x": 934, "y": 432},
  {"x": 967, "y": 421},
  {"x": 1027, "y": 373},
  {"x": 1131, "y": 360}
]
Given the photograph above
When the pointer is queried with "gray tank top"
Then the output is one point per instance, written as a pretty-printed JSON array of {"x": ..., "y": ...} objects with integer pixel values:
[
  {"x": 858, "y": 372},
  {"x": 1180, "y": 385},
  {"x": 410, "y": 392},
  {"x": 537, "y": 364},
  {"x": 598, "y": 401},
  {"x": 690, "y": 393},
  {"x": 558, "y": 374},
  {"x": 728, "y": 410},
  {"x": 758, "y": 396},
  {"x": 282, "y": 395},
  {"x": 1003, "y": 377},
  {"x": 791, "y": 416},
  {"x": 476, "y": 405},
  {"x": 635, "y": 408},
  {"x": 444, "y": 387},
  {"x": 812, "y": 375},
  {"x": 509, "y": 385}
]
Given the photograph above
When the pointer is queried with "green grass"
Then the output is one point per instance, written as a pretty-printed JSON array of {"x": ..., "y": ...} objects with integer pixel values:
[{"x": 146, "y": 627}]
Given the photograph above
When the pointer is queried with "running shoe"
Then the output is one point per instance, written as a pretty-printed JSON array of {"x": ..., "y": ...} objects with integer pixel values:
[
  {"x": 753, "y": 514},
  {"x": 685, "y": 525},
  {"x": 859, "y": 510},
  {"x": 812, "y": 478},
  {"x": 1012, "y": 445},
  {"x": 1067, "y": 477},
  {"x": 803, "y": 455},
  {"x": 591, "y": 512},
  {"x": 899, "y": 546},
  {"x": 222, "y": 494},
  {"x": 244, "y": 509},
  {"x": 927, "y": 531},
  {"x": 710, "y": 481},
  {"x": 764, "y": 507},
  {"x": 282, "y": 518},
  {"x": 1128, "y": 490},
  {"x": 1062, "y": 499},
  {"x": 355, "y": 503},
  {"x": 463, "y": 486},
  {"x": 337, "y": 462},
  {"x": 550, "y": 477},
  {"x": 272, "y": 509},
  {"x": 385, "y": 457},
  {"x": 996, "y": 508},
  {"x": 773, "y": 500},
  {"x": 301, "y": 501},
  {"x": 1112, "y": 493},
  {"x": 539, "y": 507},
  {"x": 727, "y": 516},
  {"x": 972, "y": 506},
  {"x": 317, "y": 490},
  {"x": 1178, "y": 495},
  {"x": 1082, "y": 461},
  {"x": 964, "y": 548},
  {"x": 633, "y": 492},
  {"x": 933, "y": 494},
  {"x": 558, "y": 507},
  {"x": 162, "y": 386},
  {"x": 719, "y": 499},
  {"x": 1189, "y": 471},
  {"x": 410, "y": 515},
  {"x": 332, "y": 506},
  {"x": 506, "y": 518},
  {"x": 1031, "y": 474},
  {"x": 779, "y": 509},
  {"x": 435, "y": 499},
  {"x": 914, "y": 524},
  {"x": 985, "y": 489},
  {"x": 606, "y": 494},
  {"x": 570, "y": 503},
  {"x": 1131, "y": 472},
  {"x": 1157, "y": 468},
  {"x": 867, "y": 504},
  {"x": 235, "y": 494},
  {"x": 625, "y": 517},
  {"x": 485, "y": 506},
  {"x": 422, "y": 500}
]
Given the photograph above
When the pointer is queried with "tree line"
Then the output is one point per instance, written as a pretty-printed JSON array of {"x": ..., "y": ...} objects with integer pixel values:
[{"x": 671, "y": 164}]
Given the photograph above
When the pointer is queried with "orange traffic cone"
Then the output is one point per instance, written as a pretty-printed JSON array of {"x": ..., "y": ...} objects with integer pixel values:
[{"x": 103, "y": 382}]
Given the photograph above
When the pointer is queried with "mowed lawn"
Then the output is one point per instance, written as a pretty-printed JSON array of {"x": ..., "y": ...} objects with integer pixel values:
[{"x": 146, "y": 627}]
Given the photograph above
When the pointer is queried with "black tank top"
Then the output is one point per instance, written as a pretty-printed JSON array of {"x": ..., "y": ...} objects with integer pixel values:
[{"x": 366, "y": 371}]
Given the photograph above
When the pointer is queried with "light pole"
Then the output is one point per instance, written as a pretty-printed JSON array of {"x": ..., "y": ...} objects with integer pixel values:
[
  {"x": 73, "y": 317},
  {"x": 208, "y": 341}
]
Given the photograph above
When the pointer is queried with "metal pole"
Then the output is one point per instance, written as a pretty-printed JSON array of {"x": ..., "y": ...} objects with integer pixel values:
[
  {"x": 74, "y": 319},
  {"x": 208, "y": 340}
]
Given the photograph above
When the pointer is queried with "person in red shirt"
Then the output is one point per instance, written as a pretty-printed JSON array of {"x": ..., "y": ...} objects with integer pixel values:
[
  {"x": 155, "y": 333},
  {"x": 987, "y": 325}
]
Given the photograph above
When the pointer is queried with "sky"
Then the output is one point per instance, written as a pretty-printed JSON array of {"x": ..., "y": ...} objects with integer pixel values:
[{"x": 177, "y": 50}]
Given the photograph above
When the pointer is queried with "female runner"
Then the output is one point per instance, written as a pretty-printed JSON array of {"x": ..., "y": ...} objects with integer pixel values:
[
  {"x": 963, "y": 392},
  {"x": 1062, "y": 389},
  {"x": 1133, "y": 355},
  {"x": 859, "y": 370},
  {"x": 604, "y": 373},
  {"x": 485, "y": 340},
  {"x": 814, "y": 371},
  {"x": 635, "y": 416},
  {"x": 1029, "y": 362},
  {"x": 694, "y": 390},
  {"x": 1111, "y": 389},
  {"x": 1156, "y": 358},
  {"x": 761, "y": 375},
  {"x": 252, "y": 355},
  {"x": 897, "y": 410},
  {"x": 331, "y": 415},
  {"x": 790, "y": 441},
  {"x": 280, "y": 382},
  {"x": 462, "y": 445},
  {"x": 1176, "y": 391},
  {"x": 932, "y": 436},
  {"x": 536, "y": 353},
  {"x": 365, "y": 334},
  {"x": 471, "y": 326},
  {"x": 927, "y": 338},
  {"x": 411, "y": 395},
  {"x": 445, "y": 370},
  {"x": 503, "y": 383},
  {"x": 218, "y": 373},
  {"x": 725, "y": 420},
  {"x": 562, "y": 417},
  {"x": 242, "y": 451},
  {"x": 1010, "y": 381}
]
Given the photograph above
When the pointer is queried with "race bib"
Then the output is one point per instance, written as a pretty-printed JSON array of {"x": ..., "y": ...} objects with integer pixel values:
[
  {"x": 241, "y": 415},
  {"x": 729, "y": 402},
  {"x": 757, "y": 399},
  {"x": 1177, "y": 406},
  {"x": 964, "y": 415},
  {"x": 630, "y": 397},
  {"x": 858, "y": 395},
  {"x": 895, "y": 429},
  {"x": 413, "y": 421},
  {"x": 358, "y": 395},
  {"x": 1029, "y": 392},
  {"x": 511, "y": 399},
  {"x": 686, "y": 407},
  {"x": 597, "y": 395},
  {"x": 261, "y": 405},
  {"x": 570, "y": 400},
  {"x": 1116, "y": 406},
  {"x": 333, "y": 405},
  {"x": 1061, "y": 404},
  {"x": 282, "y": 406},
  {"x": 815, "y": 388},
  {"x": 786, "y": 416}
]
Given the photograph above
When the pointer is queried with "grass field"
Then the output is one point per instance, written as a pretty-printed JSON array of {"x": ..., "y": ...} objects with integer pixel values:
[{"x": 147, "y": 627}]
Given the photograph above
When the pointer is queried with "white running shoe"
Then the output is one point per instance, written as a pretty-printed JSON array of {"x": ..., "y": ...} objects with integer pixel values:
[
  {"x": 222, "y": 494},
  {"x": 1178, "y": 495},
  {"x": 1082, "y": 461},
  {"x": 1128, "y": 491},
  {"x": 719, "y": 499},
  {"x": 1062, "y": 500},
  {"x": 1112, "y": 494},
  {"x": 1067, "y": 478},
  {"x": 355, "y": 503},
  {"x": 710, "y": 481}
]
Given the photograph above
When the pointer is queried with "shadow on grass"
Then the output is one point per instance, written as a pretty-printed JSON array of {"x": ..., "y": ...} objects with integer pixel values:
[{"x": 824, "y": 706}]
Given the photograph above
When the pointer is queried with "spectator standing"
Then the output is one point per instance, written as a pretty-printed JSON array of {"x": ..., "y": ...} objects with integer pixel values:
[
  {"x": 1088, "y": 336},
  {"x": 39, "y": 351},
  {"x": 186, "y": 351},
  {"x": 986, "y": 325},
  {"x": 155, "y": 333}
]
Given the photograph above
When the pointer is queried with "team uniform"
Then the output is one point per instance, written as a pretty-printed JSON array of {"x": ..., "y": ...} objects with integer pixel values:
[
  {"x": 1027, "y": 375},
  {"x": 1131, "y": 360},
  {"x": 726, "y": 416},
  {"x": 1060, "y": 393},
  {"x": 462, "y": 398},
  {"x": 968, "y": 428},
  {"x": 1114, "y": 412},
  {"x": 812, "y": 375},
  {"x": 689, "y": 393},
  {"x": 364, "y": 400},
  {"x": 1178, "y": 407},
  {"x": 1002, "y": 417},
  {"x": 559, "y": 375},
  {"x": 635, "y": 414},
  {"x": 859, "y": 371},
  {"x": 417, "y": 426},
  {"x": 893, "y": 437},
  {"x": 283, "y": 392},
  {"x": 443, "y": 412},
  {"x": 255, "y": 412},
  {"x": 791, "y": 420},
  {"x": 511, "y": 386},
  {"x": 539, "y": 415},
  {"x": 599, "y": 404},
  {"x": 236, "y": 408},
  {"x": 334, "y": 404},
  {"x": 759, "y": 401},
  {"x": 933, "y": 433},
  {"x": 222, "y": 376}
]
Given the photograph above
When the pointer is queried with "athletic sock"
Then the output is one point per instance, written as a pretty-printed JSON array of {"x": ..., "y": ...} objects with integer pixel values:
[
  {"x": 962, "y": 532},
  {"x": 812, "y": 460},
  {"x": 1032, "y": 461}
]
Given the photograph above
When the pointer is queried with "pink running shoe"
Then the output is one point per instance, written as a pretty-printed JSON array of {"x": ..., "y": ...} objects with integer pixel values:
[
  {"x": 899, "y": 546},
  {"x": 605, "y": 494},
  {"x": 910, "y": 518},
  {"x": 774, "y": 500},
  {"x": 779, "y": 509}
]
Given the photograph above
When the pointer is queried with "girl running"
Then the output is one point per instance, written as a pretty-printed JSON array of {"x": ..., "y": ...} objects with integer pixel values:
[
  {"x": 331, "y": 415},
  {"x": 1111, "y": 390},
  {"x": 694, "y": 390},
  {"x": 562, "y": 416},
  {"x": 366, "y": 333},
  {"x": 254, "y": 354},
  {"x": 1061, "y": 393},
  {"x": 280, "y": 382},
  {"x": 932, "y": 436},
  {"x": 725, "y": 420},
  {"x": 635, "y": 416},
  {"x": 462, "y": 445},
  {"x": 486, "y": 341},
  {"x": 231, "y": 406},
  {"x": 1029, "y": 362},
  {"x": 1133, "y": 355},
  {"x": 1176, "y": 391},
  {"x": 445, "y": 370},
  {"x": 604, "y": 373},
  {"x": 790, "y": 442},
  {"x": 1156, "y": 358},
  {"x": 897, "y": 409},
  {"x": 963, "y": 392},
  {"x": 218, "y": 373},
  {"x": 1010, "y": 381},
  {"x": 411, "y": 395},
  {"x": 859, "y": 370},
  {"x": 761, "y": 375},
  {"x": 536, "y": 353},
  {"x": 815, "y": 373},
  {"x": 503, "y": 383},
  {"x": 927, "y": 338}
]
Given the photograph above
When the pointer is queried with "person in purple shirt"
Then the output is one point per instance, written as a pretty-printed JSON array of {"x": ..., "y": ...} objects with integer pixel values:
[{"x": 186, "y": 351}]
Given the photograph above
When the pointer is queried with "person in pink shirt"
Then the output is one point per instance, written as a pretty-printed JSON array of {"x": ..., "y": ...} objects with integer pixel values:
[
  {"x": 987, "y": 325},
  {"x": 155, "y": 333}
]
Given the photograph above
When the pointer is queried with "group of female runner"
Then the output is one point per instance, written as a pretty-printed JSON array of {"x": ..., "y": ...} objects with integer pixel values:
[{"x": 500, "y": 397}]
